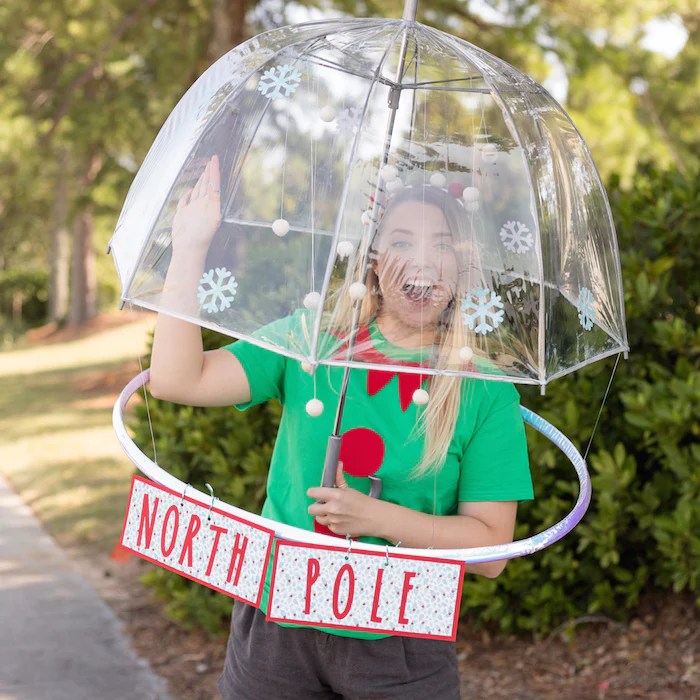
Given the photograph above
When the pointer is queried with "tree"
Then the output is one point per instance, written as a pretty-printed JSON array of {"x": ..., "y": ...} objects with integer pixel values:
[
  {"x": 59, "y": 256},
  {"x": 101, "y": 76},
  {"x": 228, "y": 26},
  {"x": 86, "y": 87}
]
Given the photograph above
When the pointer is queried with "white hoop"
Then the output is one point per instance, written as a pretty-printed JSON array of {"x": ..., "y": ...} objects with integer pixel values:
[{"x": 474, "y": 555}]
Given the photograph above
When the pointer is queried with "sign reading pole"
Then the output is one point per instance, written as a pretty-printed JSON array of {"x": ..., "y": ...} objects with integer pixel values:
[
  {"x": 205, "y": 544},
  {"x": 314, "y": 585},
  {"x": 360, "y": 590}
]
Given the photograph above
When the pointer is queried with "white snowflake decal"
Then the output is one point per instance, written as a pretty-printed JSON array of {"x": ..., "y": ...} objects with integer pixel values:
[
  {"x": 516, "y": 237},
  {"x": 348, "y": 120},
  {"x": 280, "y": 81},
  {"x": 482, "y": 310},
  {"x": 586, "y": 308},
  {"x": 216, "y": 294}
]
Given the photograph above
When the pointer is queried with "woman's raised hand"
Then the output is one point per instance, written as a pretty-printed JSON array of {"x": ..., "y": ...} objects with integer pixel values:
[{"x": 198, "y": 212}]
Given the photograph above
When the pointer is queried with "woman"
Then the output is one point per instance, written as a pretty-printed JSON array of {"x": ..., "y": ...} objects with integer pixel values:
[{"x": 452, "y": 473}]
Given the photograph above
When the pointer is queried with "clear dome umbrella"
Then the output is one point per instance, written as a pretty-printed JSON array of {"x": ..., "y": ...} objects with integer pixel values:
[
  {"x": 321, "y": 131},
  {"x": 305, "y": 119}
]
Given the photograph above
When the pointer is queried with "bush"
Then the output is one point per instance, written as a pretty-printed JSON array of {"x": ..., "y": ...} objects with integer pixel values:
[
  {"x": 229, "y": 450},
  {"x": 29, "y": 288},
  {"x": 643, "y": 527},
  {"x": 23, "y": 302}
]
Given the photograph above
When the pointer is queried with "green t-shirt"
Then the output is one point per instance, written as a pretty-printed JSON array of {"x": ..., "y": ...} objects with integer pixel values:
[{"x": 486, "y": 461}]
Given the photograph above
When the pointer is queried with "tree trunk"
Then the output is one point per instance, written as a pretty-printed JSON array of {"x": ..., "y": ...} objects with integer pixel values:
[
  {"x": 2, "y": 236},
  {"x": 59, "y": 261},
  {"x": 83, "y": 303},
  {"x": 228, "y": 26},
  {"x": 17, "y": 302},
  {"x": 83, "y": 277}
]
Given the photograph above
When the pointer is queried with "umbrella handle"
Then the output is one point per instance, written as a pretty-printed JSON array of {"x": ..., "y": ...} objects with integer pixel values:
[
  {"x": 330, "y": 466},
  {"x": 375, "y": 489}
]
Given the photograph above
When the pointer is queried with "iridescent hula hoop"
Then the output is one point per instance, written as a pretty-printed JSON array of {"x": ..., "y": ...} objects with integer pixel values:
[{"x": 473, "y": 555}]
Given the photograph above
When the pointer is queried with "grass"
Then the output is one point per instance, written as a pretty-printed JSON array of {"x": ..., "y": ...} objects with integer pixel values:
[{"x": 57, "y": 447}]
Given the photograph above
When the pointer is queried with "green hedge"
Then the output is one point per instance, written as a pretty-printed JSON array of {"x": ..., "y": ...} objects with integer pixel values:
[
  {"x": 31, "y": 285},
  {"x": 642, "y": 531},
  {"x": 31, "y": 288},
  {"x": 229, "y": 450}
]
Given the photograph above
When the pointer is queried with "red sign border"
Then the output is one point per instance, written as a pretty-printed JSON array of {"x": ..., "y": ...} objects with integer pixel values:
[
  {"x": 392, "y": 555},
  {"x": 268, "y": 531}
]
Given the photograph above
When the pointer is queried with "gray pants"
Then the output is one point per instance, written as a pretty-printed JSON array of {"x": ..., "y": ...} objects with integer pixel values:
[{"x": 265, "y": 661}]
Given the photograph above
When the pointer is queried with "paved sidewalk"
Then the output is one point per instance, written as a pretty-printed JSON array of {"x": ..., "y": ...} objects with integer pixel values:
[{"x": 58, "y": 639}]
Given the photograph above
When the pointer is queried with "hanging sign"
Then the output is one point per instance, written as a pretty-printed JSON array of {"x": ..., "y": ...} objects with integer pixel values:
[
  {"x": 369, "y": 591},
  {"x": 205, "y": 544}
]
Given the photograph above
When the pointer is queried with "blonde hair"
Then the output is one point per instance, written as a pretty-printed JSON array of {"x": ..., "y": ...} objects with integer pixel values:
[{"x": 438, "y": 419}]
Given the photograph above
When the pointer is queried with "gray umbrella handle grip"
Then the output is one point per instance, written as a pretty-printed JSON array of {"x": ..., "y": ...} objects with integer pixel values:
[{"x": 330, "y": 466}]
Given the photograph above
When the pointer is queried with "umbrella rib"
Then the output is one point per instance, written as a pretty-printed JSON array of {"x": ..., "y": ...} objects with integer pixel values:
[
  {"x": 355, "y": 320},
  {"x": 437, "y": 85},
  {"x": 425, "y": 83},
  {"x": 505, "y": 107},
  {"x": 325, "y": 63},
  {"x": 483, "y": 91}
]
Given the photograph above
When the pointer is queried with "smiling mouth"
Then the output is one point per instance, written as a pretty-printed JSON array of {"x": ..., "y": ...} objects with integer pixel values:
[{"x": 418, "y": 290}]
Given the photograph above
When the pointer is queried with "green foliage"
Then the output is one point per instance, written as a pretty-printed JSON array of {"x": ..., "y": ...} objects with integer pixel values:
[
  {"x": 85, "y": 87},
  {"x": 95, "y": 80},
  {"x": 23, "y": 301},
  {"x": 24, "y": 291},
  {"x": 642, "y": 528},
  {"x": 229, "y": 450}
]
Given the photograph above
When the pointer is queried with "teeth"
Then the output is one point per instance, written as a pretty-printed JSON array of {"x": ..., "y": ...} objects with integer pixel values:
[
  {"x": 419, "y": 290},
  {"x": 419, "y": 283}
]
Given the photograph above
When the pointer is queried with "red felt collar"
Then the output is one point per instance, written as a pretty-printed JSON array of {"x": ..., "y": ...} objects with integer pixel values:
[{"x": 377, "y": 379}]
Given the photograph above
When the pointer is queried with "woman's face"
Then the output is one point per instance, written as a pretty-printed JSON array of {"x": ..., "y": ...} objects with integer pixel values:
[{"x": 416, "y": 264}]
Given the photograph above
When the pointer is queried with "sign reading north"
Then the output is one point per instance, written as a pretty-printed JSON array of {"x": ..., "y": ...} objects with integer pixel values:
[
  {"x": 359, "y": 590},
  {"x": 206, "y": 545}
]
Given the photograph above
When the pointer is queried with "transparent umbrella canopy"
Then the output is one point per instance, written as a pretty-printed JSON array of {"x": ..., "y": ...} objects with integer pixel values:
[
  {"x": 368, "y": 166},
  {"x": 320, "y": 129}
]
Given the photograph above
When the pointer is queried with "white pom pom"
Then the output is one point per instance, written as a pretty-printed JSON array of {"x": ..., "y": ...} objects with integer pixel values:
[
  {"x": 366, "y": 217},
  {"x": 345, "y": 249},
  {"x": 314, "y": 408},
  {"x": 471, "y": 206},
  {"x": 421, "y": 397},
  {"x": 312, "y": 301},
  {"x": 357, "y": 291},
  {"x": 471, "y": 194},
  {"x": 487, "y": 148},
  {"x": 394, "y": 185},
  {"x": 466, "y": 354},
  {"x": 438, "y": 180},
  {"x": 389, "y": 172},
  {"x": 307, "y": 367},
  {"x": 280, "y": 227},
  {"x": 327, "y": 113}
]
